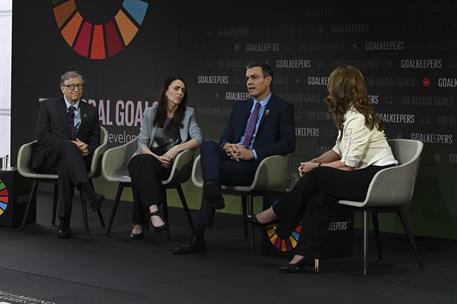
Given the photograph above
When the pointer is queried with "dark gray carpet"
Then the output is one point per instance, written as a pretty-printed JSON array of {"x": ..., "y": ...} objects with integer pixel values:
[{"x": 102, "y": 269}]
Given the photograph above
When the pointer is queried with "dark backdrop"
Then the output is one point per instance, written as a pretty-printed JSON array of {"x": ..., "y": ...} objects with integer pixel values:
[{"x": 406, "y": 50}]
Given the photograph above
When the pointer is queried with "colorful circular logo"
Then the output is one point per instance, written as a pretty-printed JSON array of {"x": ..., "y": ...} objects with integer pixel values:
[
  {"x": 3, "y": 197},
  {"x": 283, "y": 245},
  {"x": 98, "y": 41}
]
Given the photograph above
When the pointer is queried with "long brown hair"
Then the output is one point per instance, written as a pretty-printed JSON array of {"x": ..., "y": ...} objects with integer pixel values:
[
  {"x": 346, "y": 88},
  {"x": 161, "y": 115}
]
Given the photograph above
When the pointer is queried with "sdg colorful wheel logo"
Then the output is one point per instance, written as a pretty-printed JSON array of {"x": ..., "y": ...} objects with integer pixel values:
[
  {"x": 283, "y": 245},
  {"x": 93, "y": 30},
  {"x": 3, "y": 197}
]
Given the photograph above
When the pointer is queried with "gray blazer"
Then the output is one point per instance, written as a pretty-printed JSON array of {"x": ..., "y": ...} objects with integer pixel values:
[{"x": 190, "y": 129}]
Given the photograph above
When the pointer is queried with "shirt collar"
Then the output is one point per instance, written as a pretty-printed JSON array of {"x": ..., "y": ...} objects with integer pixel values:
[
  {"x": 263, "y": 102},
  {"x": 68, "y": 104}
]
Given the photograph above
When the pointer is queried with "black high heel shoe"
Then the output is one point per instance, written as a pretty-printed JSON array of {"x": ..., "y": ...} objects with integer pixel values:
[
  {"x": 157, "y": 228},
  {"x": 300, "y": 265},
  {"x": 137, "y": 236},
  {"x": 251, "y": 218}
]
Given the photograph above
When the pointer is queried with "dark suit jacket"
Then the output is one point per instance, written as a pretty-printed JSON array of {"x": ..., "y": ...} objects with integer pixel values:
[
  {"x": 53, "y": 129},
  {"x": 276, "y": 133}
]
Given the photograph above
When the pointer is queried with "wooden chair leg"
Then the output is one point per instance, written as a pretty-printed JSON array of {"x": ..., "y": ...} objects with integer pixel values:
[
  {"x": 32, "y": 197},
  {"x": 185, "y": 206},
  {"x": 376, "y": 234},
  {"x": 120, "y": 188},
  {"x": 405, "y": 223},
  {"x": 84, "y": 211},
  {"x": 54, "y": 204},
  {"x": 365, "y": 241}
]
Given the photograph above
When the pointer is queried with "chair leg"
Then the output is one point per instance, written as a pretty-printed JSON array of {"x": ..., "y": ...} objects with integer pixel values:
[
  {"x": 120, "y": 188},
  {"x": 185, "y": 206},
  {"x": 84, "y": 210},
  {"x": 365, "y": 241},
  {"x": 245, "y": 211},
  {"x": 250, "y": 208},
  {"x": 165, "y": 215},
  {"x": 405, "y": 223},
  {"x": 100, "y": 217},
  {"x": 376, "y": 234},
  {"x": 54, "y": 204},
  {"x": 29, "y": 203}
]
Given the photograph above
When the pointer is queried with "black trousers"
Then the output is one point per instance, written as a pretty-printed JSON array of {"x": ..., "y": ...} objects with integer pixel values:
[
  {"x": 72, "y": 167},
  {"x": 147, "y": 175},
  {"x": 219, "y": 168},
  {"x": 312, "y": 200}
]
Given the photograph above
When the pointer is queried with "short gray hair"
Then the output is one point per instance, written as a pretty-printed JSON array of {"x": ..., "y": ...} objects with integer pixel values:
[{"x": 70, "y": 74}]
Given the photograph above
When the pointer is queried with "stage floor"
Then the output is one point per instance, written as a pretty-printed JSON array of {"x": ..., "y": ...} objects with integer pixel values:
[{"x": 36, "y": 267}]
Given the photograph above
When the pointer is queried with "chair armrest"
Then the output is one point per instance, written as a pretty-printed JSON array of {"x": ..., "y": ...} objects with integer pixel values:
[
  {"x": 197, "y": 178},
  {"x": 95, "y": 165},
  {"x": 23, "y": 159},
  {"x": 115, "y": 160},
  {"x": 271, "y": 174},
  {"x": 182, "y": 168}
]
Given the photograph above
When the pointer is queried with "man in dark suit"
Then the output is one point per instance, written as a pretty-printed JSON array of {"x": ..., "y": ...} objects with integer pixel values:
[
  {"x": 256, "y": 129},
  {"x": 68, "y": 132}
]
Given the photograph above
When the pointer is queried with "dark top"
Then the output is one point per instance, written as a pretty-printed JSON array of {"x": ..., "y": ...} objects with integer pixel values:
[{"x": 165, "y": 138}]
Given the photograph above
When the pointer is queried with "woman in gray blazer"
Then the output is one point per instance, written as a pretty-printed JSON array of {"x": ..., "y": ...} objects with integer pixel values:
[{"x": 168, "y": 127}]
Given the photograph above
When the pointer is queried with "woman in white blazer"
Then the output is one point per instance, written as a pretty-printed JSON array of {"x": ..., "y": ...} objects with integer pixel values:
[
  {"x": 168, "y": 127},
  {"x": 344, "y": 172}
]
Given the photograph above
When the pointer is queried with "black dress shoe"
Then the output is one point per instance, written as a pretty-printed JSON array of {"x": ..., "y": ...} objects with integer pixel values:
[
  {"x": 212, "y": 193},
  {"x": 194, "y": 246},
  {"x": 96, "y": 201},
  {"x": 64, "y": 233},
  {"x": 300, "y": 265}
]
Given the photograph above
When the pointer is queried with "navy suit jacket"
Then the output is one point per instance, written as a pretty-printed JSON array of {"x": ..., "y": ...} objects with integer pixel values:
[
  {"x": 276, "y": 133},
  {"x": 53, "y": 129}
]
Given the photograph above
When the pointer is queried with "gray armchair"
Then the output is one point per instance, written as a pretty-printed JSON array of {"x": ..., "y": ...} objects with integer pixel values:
[
  {"x": 390, "y": 191},
  {"x": 271, "y": 174},
  {"x": 115, "y": 169},
  {"x": 23, "y": 167}
]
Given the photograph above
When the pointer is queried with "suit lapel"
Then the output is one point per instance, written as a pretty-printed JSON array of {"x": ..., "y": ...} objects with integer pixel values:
[
  {"x": 268, "y": 110},
  {"x": 63, "y": 116}
]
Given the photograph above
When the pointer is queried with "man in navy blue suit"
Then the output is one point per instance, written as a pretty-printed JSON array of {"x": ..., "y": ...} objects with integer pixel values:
[{"x": 258, "y": 128}]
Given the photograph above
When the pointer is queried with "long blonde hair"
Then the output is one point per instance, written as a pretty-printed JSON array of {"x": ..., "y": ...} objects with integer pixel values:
[{"x": 346, "y": 88}]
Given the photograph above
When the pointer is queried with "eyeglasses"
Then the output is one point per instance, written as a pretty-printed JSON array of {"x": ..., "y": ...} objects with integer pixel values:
[{"x": 72, "y": 87}]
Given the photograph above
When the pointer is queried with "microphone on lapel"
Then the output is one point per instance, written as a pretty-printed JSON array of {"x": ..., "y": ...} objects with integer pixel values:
[{"x": 267, "y": 112}]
